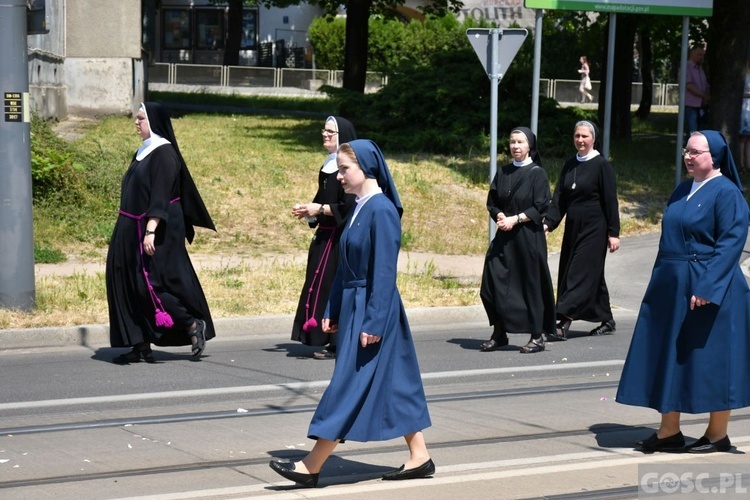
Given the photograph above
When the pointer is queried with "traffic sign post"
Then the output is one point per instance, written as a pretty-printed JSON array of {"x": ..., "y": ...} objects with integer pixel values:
[{"x": 496, "y": 48}]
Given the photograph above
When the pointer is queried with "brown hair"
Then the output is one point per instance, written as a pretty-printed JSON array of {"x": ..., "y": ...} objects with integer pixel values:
[{"x": 346, "y": 149}]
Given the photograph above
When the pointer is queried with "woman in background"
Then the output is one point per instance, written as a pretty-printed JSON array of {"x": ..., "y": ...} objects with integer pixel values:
[
  {"x": 585, "y": 85},
  {"x": 586, "y": 195},
  {"x": 516, "y": 285},
  {"x": 327, "y": 212}
]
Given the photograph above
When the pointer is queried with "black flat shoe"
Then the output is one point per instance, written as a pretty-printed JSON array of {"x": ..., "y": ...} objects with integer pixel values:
[
  {"x": 286, "y": 469},
  {"x": 561, "y": 331},
  {"x": 703, "y": 445},
  {"x": 606, "y": 328},
  {"x": 427, "y": 469},
  {"x": 135, "y": 356},
  {"x": 493, "y": 345},
  {"x": 534, "y": 345},
  {"x": 324, "y": 354},
  {"x": 653, "y": 443},
  {"x": 148, "y": 356},
  {"x": 200, "y": 338}
]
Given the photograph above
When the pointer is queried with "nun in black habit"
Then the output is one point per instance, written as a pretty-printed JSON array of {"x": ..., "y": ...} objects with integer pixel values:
[
  {"x": 153, "y": 293},
  {"x": 586, "y": 195},
  {"x": 326, "y": 213},
  {"x": 516, "y": 289}
]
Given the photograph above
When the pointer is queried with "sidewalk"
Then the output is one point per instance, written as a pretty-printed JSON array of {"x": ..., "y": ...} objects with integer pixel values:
[
  {"x": 466, "y": 268},
  {"x": 627, "y": 273}
]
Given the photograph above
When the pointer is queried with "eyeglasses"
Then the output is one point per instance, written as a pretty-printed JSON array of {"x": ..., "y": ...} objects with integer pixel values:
[
  {"x": 692, "y": 153},
  {"x": 325, "y": 131}
]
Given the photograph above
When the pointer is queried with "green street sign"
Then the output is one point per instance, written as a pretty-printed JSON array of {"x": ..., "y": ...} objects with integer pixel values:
[{"x": 692, "y": 8}]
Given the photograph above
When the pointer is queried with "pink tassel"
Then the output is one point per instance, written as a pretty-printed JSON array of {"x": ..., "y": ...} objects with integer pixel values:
[
  {"x": 309, "y": 324},
  {"x": 164, "y": 319}
]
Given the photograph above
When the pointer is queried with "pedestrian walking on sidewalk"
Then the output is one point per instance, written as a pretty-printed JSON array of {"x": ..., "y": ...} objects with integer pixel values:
[
  {"x": 376, "y": 389},
  {"x": 585, "y": 84},
  {"x": 586, "y": 195},
  {"x": 326, "y": 213},
  {"x": 690, "y": 351},
  {"x": 153, "y": 293},
  {"x": 516, "y": 289}
]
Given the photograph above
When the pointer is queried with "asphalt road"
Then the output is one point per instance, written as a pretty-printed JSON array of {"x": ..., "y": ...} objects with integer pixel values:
[{"x": 505, "y": 424}]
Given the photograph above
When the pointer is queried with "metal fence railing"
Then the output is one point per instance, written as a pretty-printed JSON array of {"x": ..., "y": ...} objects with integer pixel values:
[
  {"x": 563, "y": 91},
  {"x": 664, "y": 94}
]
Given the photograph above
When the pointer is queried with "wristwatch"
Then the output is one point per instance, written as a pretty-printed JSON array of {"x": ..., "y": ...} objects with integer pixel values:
[{"x": 322, "y": 210}]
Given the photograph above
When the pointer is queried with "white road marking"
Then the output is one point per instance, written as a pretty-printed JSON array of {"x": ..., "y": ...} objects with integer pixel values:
[{"x": 318, "y": 384}]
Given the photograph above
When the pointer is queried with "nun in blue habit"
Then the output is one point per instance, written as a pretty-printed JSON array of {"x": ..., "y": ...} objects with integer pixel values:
[
  {"x": 690, "y": 351},
  {"x": 376, "y": 392}
]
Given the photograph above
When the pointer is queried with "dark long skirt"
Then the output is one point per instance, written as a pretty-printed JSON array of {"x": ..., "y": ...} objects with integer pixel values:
[{"x": 322, "y": 261}]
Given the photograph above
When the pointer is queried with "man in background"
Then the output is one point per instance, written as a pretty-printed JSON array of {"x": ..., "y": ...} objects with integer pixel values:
[{"x": 697, "y": 97}]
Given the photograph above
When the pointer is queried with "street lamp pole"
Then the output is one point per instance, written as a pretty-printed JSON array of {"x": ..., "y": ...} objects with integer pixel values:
[{"x": 16, "y": 221}]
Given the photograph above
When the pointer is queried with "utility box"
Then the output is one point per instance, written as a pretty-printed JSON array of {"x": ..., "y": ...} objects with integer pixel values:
[{"x": 36, "y": 17}]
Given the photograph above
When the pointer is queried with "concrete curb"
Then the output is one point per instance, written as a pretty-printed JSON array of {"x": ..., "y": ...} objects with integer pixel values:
[{"x": 96, "y": 336}]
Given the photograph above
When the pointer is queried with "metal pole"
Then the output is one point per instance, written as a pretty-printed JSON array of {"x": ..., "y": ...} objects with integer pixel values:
[
  {"x": 681, "y": 106},
  {"x": 537, "y": 71},
  {"x": 494, "y": 41},
  {"x": 608, "y": 90},
  {"x": 16, "y": 222}
]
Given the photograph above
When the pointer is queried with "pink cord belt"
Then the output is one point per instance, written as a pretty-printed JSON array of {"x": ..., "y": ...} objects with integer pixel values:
[
  {"x": 317, "y": 282},
  {"x": 162, "y": 316}
]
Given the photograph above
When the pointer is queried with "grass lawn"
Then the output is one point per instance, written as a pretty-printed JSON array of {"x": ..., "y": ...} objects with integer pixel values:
[{"x": 251, "y": 169}]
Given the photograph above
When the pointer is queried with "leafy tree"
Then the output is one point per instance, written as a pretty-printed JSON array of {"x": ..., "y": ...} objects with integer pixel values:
[
  {"x": 393, "y": 42},
  {"x": 659, "y": 48},
  {"x": 358, "y": 13},
  {"x": 727, "y": 50}
]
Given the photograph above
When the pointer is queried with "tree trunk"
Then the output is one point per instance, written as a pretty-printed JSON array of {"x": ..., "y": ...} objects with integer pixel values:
[
  {"x": 647, "y": 74},
  {"x": 148, "y": 36},
  {"x": 148, "y": 48},
  {"x": 355, "y": 52},
  {"x": 726, "y": 52},
  {"x": 622, "y": 76},
  {"x": 234, "y": 33}
]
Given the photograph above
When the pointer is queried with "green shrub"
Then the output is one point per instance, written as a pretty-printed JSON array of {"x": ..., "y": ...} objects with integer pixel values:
[
  {"x": 438, "y": 94},
  {"x": 444, "y": 107},
  {"x": 327, "y": 36},
  {"x": 53, "y": 167},
  {"x": 48, "y": 255},
  {"x": 392, "y": 43}
]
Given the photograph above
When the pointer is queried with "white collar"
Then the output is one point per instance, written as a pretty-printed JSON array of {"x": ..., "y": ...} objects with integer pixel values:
[
  {"x": 592, "y": 154},
  {"x": 330, "y": 165},
  {"x": 699, "y": 184},
  {"x": 527, "y": 161},
  {"x": 361, "y": 202},
  {"x": 375, "y": 190},
  {"x": 149, "y": 145}
]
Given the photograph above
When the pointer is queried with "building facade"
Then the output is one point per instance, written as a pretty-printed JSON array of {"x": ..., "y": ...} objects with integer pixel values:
[{"x": 93, "y": 59}]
